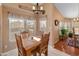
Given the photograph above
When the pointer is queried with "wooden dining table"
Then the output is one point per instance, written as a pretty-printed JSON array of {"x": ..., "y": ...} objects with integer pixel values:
[{"x": 31, "y": 43}]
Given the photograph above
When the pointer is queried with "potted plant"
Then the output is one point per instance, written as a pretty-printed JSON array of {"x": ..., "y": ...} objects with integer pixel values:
[{"x": 64, "y": 33}]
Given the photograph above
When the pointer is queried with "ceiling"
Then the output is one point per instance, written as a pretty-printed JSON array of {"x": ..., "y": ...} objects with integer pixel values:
[{"x": 68, "y": 10}]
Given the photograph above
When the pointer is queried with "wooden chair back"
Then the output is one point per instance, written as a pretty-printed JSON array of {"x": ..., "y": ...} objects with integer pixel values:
[
  {"x": 24, "y": 35},
  {"x": 21, "y": 50},
  {"x": 45, "y": 39},
  {"x": 44, "y": 44}
]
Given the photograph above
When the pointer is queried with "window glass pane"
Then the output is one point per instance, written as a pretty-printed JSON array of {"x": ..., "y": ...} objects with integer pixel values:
[
  {"x": 30, "y": 24},
  {"x": 76, "y": 28},
  {"x": 19, "y": 24},
  {"x": 16, "y": 25},
  {"x": 43, "y": 24}
]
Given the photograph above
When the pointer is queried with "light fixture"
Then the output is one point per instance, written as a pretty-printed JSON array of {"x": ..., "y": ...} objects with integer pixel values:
[
  {"x": 37, "y": 9},
  {"x": 76, "y": 18}
]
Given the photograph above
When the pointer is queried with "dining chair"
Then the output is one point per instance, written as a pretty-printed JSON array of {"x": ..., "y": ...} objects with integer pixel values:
[
  {"x": 24, "y": 35},
  {"x": 43, "y": 47},
  {"x": 21, "y": 50}
]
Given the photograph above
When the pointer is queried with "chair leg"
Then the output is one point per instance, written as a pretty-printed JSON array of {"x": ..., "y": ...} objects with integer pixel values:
[
  {"x": 46, "y": 53},
  {"x": 34, "y": 54},
  {"x": 18, "y": 54},
  {"x": 39, "y": 53}
]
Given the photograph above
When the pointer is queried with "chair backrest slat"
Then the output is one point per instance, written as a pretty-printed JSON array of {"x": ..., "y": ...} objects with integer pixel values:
[
  {"x": 21, "y": 49},
  {"x": 24, "y": 35},
  {"x": 43, "y": 48},
  {"x": 45, "y": 39}
]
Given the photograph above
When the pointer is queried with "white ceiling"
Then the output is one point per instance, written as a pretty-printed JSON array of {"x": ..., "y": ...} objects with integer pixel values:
[{"x": 68, "y": 10}]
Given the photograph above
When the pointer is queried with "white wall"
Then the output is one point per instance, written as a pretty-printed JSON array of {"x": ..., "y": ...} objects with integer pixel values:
[{"x": 52, "y": 14}]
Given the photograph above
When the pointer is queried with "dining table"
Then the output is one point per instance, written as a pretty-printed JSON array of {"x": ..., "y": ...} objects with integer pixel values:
[{"x": 31, "y": 43}]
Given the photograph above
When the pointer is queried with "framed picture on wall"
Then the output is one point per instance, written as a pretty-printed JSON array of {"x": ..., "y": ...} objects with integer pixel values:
[{"x": 56, "y": 22}]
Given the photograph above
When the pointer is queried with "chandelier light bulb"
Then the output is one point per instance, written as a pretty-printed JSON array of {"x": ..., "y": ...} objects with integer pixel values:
[
  {"x": 74, "y": 19},
  {"x": 41, "y": 7},
  {"x": 33, "y": 7},
  {"x": 77, "y": 18},
  {"x": 37, "y": 9}
]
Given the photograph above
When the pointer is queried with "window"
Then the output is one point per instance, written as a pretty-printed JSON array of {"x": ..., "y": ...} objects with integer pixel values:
[
  {"x": 43, "y": 24},
  {"x": 76, "y": 31},
  {"x": 19, "y": 24},
  {"x": 65, "y": 24},
  {"x": 31, "y": 25},
  {"x": 76, "y": 28},
  {"x": 16, "y": 24}
]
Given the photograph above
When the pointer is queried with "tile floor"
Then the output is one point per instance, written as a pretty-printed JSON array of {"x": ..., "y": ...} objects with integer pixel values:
[{"x": 51, "y": 52}]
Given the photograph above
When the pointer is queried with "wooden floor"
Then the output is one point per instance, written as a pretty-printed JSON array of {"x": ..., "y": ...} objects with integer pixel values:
[{"x": 62, "y": 46}]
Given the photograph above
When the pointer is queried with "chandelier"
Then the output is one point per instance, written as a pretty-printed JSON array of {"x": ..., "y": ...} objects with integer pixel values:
[
  {"x": 38, "y": 9},
  {"x": 76, "y": 19}
]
